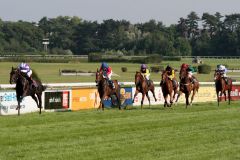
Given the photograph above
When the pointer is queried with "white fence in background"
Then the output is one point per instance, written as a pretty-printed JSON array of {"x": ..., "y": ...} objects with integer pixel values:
[{"x": 64, "y": 85}]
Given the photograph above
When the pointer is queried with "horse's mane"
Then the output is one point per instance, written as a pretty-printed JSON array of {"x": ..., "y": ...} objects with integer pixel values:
[{"x": 139, "y": 73}]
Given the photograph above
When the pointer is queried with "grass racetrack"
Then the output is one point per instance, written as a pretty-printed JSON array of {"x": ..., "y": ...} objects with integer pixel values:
[{"x": 203, "y": 131}]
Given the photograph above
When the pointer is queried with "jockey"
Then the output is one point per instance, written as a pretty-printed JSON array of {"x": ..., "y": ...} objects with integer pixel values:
[
  {"x": 145, "y": 71},
  {"x": 190, "y": 71},
  {"x": 171, "y": 75},
  {"x": 107, "y": 73},
  {"x": 223, "y": 71},
  {"x": 25, "y": 68}
]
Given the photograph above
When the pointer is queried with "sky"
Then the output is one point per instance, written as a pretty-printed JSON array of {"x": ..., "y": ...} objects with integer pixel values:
[{"x": 135, "y": 11}]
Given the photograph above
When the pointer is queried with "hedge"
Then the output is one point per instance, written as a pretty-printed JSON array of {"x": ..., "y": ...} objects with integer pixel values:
[{"x": 204, "y": 69}]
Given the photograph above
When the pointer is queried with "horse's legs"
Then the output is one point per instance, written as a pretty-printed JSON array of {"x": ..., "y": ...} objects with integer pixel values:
[
  {"x": 101, "y": 103},
  {"x": 165, "y": 101},
  {"x": 39, "y": 96},
  {"x": 136, "y": 92},
  {"x": 143, "y": 95},
  {"x": 194, "y": 92},
  {"x": 148, "y": 98},
  {"x": 171, "y": 99},
  {"x": 19, "y": 99},
  {"x": 35, "y": 99},
  {"x": 225, "y": 95},
  {"x": 187, "y": 101},
  {"x": 118, "y": 99},
  {"x": 153, "y": 92},
  {"x": 174, "y": 94},
  {"x": 179, "y": 94},
  {"x": 218, "y": 98},
  {"x": 229, "y": 96}
]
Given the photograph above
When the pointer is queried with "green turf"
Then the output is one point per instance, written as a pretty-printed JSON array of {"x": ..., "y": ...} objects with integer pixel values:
[
  {"x": 49, "y": 72},
  {"x": 203, "y": 131}
]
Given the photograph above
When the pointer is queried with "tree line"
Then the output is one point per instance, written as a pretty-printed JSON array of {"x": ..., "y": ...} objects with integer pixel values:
[{"x": 208, "y": 35}]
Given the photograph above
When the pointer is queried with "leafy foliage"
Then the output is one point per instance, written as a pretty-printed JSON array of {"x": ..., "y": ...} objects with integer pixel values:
[{"x": 218, "y": 35}]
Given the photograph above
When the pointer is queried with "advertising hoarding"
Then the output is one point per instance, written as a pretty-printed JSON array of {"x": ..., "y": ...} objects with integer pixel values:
[
  {"x": 8, "y": 104},
  {"x": 57, "y": 99},
  {"x": 85, "y": 98}
]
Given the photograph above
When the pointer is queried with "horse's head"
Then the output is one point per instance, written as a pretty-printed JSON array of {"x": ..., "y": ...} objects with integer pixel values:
[
  {"x": 217, "y": 76},
  {"x": 138, "y": 78},
  {"x": 164, "y": 76},
  {"x": 13, "y": 75},
  {"x": 183, "y": 73},
  {"x": 99, "y": 76}
]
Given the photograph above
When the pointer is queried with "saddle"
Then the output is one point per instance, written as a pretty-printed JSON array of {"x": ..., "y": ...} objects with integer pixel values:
[{"x": 32, "y": 83}]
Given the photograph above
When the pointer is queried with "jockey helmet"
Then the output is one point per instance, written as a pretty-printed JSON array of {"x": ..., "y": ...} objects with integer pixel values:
[
  {"x": 221, "y": 67},
  {"x": 143, "y": 66},
  {"x": 24, "y": 66},
  {"x": 168, "y": 67},
  {"x": 104, "y": 65}
]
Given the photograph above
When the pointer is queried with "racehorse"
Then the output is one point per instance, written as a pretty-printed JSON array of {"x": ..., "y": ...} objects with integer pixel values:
[
  {"x": 24, "y": 88},
  {"x": 168, "y": 89},
  {"x": 105, "y": 91},
  {"x": 222, "y": 86},
  {"x": 142, "y": 87},
  {"x": 186, "y": 87}
]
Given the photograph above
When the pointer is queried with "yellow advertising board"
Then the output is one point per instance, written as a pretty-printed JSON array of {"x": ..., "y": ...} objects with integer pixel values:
[
  {"x": 204, "y": 94},
  {"x": 84, "y": 98}
]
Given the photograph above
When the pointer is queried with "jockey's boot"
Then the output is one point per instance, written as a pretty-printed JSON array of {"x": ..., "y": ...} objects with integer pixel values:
[
  {"x": 32, "y": 82},
  {"x": 226, "y": 80},
  {"x": 148, "y": 83},
  {"x": 174, "y": 83}
]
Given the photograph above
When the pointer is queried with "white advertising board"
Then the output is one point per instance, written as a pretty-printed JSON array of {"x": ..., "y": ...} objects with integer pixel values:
[{"x": 8, "y": 104}]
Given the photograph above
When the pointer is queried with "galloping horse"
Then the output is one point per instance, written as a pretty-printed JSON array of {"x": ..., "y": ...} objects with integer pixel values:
[
  {"x": 142, "y": 87},
  {"x": 24, "y": 88},
  {"x": 222, "y": 87},
  {"x": 168, "y": 89},
  {"x": 105, "y": 91},
  {"x": 187, "y": 87}
]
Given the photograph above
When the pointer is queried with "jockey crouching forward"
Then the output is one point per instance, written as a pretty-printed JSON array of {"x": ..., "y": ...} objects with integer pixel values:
[
  {"x": 145, "y": 72},
  {"x": 27, "y": 72},
  {"x": 223, "y": 71},
  {"x": 107, "y": 73},
  {"x": 190, "y": 71},
  {"x": 171, "y": 75}
]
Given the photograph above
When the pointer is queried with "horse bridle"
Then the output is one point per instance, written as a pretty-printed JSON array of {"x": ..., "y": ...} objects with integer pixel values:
[
  {"x": 138, "y": 82},
  {"x": 97, "y": 79}
]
